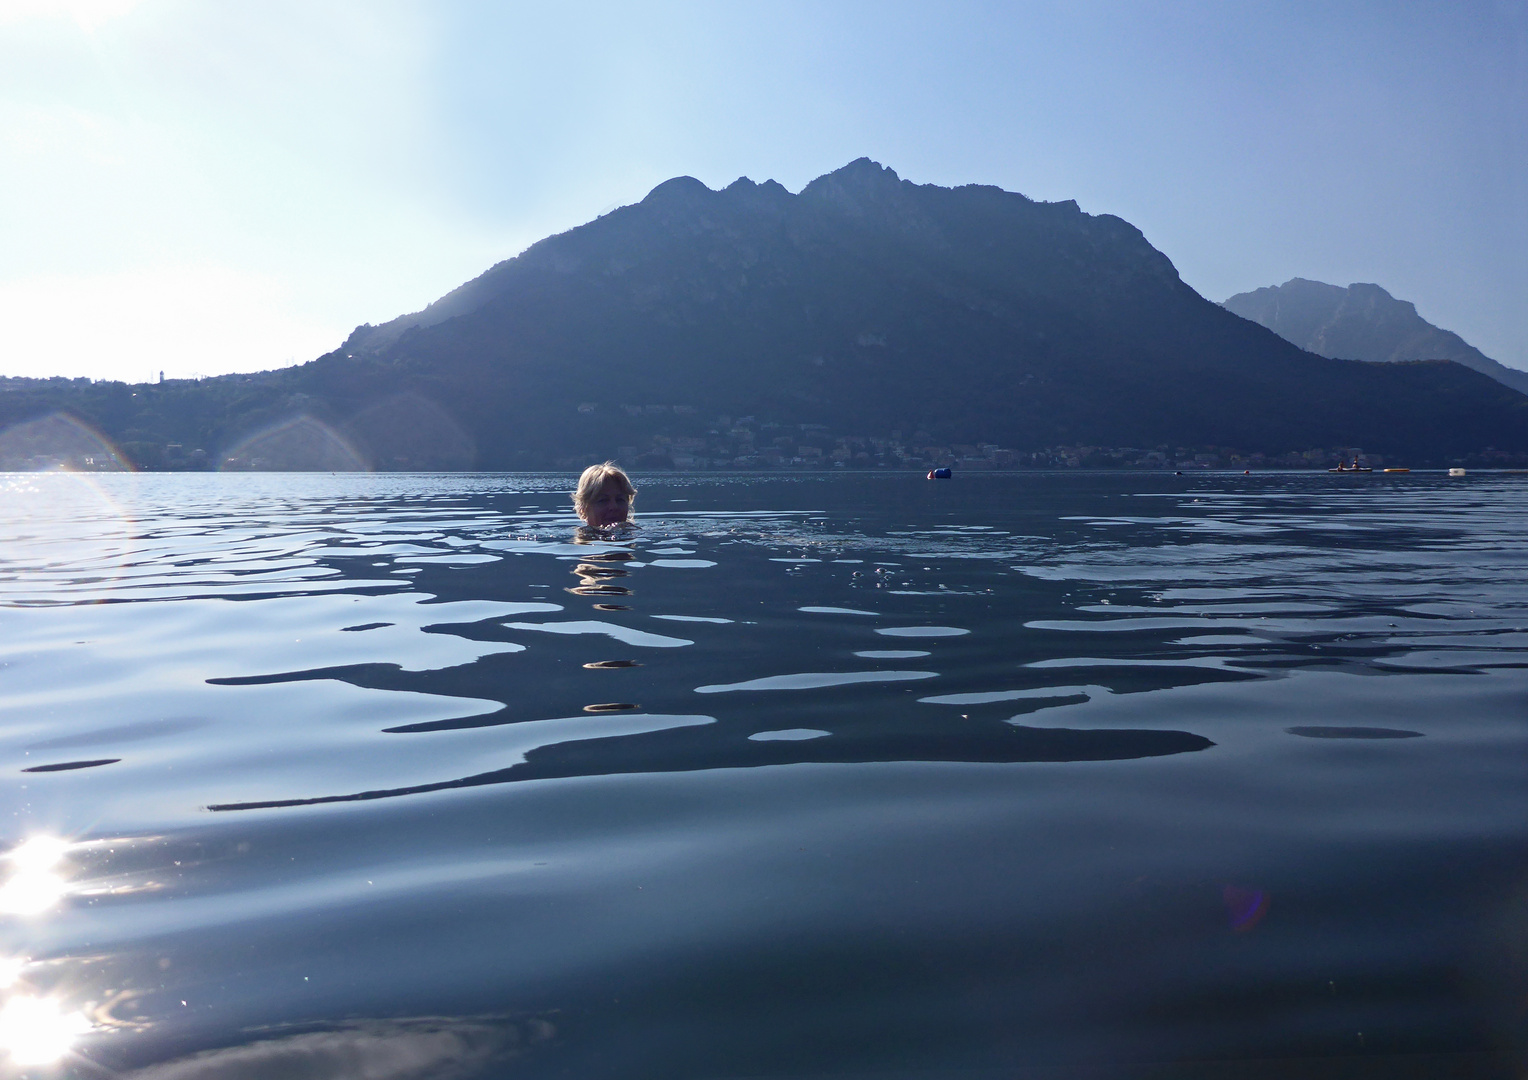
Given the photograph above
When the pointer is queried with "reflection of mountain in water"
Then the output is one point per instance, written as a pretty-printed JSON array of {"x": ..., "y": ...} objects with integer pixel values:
[
  {"x": 689, "y": 749},
  {"x": 854, "y": 716}
]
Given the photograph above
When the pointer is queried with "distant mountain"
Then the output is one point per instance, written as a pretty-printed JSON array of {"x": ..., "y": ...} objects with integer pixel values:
[
  {"x": 865, "y": 316},
  {"x": 1362, "y": 322}
]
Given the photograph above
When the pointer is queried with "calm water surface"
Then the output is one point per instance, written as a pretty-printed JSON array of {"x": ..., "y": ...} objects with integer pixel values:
[{"x": 848, "y": 775}]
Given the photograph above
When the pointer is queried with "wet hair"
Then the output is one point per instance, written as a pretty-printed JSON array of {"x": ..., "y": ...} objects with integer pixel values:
[{"x": 593, "y": 481}]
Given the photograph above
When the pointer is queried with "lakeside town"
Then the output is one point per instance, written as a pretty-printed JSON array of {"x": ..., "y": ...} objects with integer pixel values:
[
  {"x": 746, "y": 444},
  {"x": 684, "y": 441}
]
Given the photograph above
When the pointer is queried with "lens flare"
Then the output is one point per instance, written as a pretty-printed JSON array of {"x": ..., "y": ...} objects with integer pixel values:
[
  {"x": 1245, "y": 907},
  {"x": 66, "y": 530},
  {"x": 411, "y": 432},
  {"x": 37, "y": 1031},
  {"x": 58, "y": 441},
  {"x": 301, "y": 444}
]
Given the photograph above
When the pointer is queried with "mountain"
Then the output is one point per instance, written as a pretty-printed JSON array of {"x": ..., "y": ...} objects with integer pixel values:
[
  {"x": 870, "y": 304},
  {"x": 1362, "y": 322},
  {"x": 749, "y": 323}
]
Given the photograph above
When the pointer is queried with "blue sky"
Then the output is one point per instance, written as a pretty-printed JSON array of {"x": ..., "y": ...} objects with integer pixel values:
[{"x": 213, "y": 186}]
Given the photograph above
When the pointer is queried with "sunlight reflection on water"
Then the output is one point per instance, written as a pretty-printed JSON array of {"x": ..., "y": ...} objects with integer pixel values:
[
  {"x": 34, "y": 885},
  {"x": 34, "y": 1030}
]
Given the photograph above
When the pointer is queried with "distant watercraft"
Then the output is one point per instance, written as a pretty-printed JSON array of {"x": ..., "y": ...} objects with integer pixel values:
[
  {"x": 939, "y": 474},
  {"x": 1397, "y": 470},
  {"x": 1355, "y": 467}
]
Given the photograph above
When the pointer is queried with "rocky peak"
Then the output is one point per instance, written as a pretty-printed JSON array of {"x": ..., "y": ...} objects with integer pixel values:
[
  {"x": 1361, "y": 322},
  {"x": 856, "y": 186},
  {"x": 680, "y": 191}
]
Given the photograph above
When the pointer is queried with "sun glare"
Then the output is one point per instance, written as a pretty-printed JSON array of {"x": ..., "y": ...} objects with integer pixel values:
[
  {"x": 39, "y": 853},
  {"x": 34, "y": 887},
  {"x": 36, "y": 1031}
]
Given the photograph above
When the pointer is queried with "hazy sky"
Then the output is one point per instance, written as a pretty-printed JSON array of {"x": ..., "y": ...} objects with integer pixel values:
[{"x": 219, "y": 185}]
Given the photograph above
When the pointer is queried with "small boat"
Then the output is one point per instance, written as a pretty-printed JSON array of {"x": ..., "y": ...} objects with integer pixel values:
[
  {"x": 1355, "y": 467},
  {"x": 1397, "y": 470},
  {"x": 939, "y": 474}
]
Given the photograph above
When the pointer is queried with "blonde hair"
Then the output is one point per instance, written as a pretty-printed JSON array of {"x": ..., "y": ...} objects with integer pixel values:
[{"x": 593, "y": 481}]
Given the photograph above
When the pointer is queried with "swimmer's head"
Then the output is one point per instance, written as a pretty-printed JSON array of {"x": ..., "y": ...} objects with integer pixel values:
[{"x": 604, "y": 496}]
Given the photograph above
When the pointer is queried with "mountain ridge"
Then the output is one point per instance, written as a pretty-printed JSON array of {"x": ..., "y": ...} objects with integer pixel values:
[
  {"x": 1362, "y": 322},
  {"x": 866, "y": 191}
]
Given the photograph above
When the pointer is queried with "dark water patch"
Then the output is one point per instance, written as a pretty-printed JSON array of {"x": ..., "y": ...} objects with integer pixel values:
[
  {"x": 365, "y": 626},
  {"x": 1145, "y": 676},
  {"x": 498, "y": 718},
  {"x": 1320, "y": 732},
  {"x": 816, "y": 680},
  {"x": 68, "y": 766},
  {"x": 625, "y": 634},
  {"x": 678, "y": 751},
  {"x": 358, "y": 674}
]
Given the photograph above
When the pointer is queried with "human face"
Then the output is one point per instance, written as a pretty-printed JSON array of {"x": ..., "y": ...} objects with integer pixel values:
[{"x": 609, "y": 506}]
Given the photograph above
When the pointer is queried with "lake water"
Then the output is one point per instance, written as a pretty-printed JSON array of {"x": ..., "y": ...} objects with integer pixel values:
[{"x": 1034, "y": 775}]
